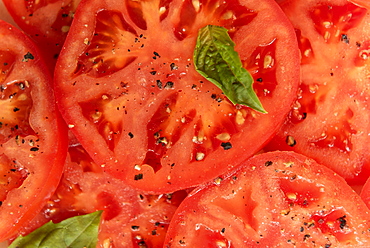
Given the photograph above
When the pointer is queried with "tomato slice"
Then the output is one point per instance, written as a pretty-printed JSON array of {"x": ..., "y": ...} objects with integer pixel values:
[
  {"x": 328, "y": 122},
  {"x": 276, "y": 199},
  {"x": 127, "y": 87},
  {"x": 47, "y": 22},
  {"x": 130, "y": 218},
  {"x": 33, "y": 139},
  {"x": 365, "y": 192}
]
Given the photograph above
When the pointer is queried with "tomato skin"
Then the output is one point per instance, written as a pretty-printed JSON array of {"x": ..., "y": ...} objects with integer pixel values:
[
  {"x": 129, "y": 219},
  {"x": 292, "y": 201},
  {"x": 33, "y": 140},
  {"x": 327, "y": 121},
  {"x": 142, "y": 112},
  {"x": 47, "y": 22}
]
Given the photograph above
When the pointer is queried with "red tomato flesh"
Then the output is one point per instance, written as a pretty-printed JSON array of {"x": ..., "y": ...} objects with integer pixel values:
[
  {"x": 33, "y": 139},
  {"x": 127, "y": 87},
  {"x": 130, "y": 218},
  {"x": 329, "y": 120},
  {"x": 277, "y": 199},
  {"x": 47, "y": 22}
]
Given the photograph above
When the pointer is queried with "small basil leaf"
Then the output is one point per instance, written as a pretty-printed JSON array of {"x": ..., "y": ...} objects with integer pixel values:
[
  {"x": 76, "y": 232},
  {"x": 217, "y": 61}
]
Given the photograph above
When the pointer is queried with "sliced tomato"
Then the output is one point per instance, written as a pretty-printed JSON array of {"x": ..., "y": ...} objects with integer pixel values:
[
  {"x": 130, "y": 219},
  {"x": 46, "y": 21},
  {"x": 277, "y": 199},
  {"x": 365, "y": 192},
  {"x": 127, "y": 87},
  {"x": 329, "y": 120},
  {"x": 33, "y": 140}
]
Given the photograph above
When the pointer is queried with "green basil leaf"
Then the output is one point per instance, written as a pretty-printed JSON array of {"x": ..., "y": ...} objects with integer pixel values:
[
  {"x": 76, "y": 232},
  {"x": 217, "y": 61}
]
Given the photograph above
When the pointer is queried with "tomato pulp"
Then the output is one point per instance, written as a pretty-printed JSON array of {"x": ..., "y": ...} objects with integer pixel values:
[
  {"x": 33, "y": 139},
  {"x": 329, "y": 121},
  {"x": 276, "y": 199},
  {"x": 47, "y": 22},
  {"x": 129, "y": 219},
  {"x": 127, "y": 87}
]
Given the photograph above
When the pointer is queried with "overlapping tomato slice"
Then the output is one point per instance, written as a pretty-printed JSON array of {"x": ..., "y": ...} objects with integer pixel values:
[
  {"x": 33, "y": 140},
  {"x": 276, "y": 199},
  {"x": 47, "y": 22},
  {"x": 127, "y": 87},
  {"x": 130, "y": 218},
  {"x": 328, "y": 121}
]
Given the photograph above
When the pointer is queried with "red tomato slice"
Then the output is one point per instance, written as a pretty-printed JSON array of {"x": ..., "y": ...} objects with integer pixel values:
[
  {"x": 33, "y": 139},
  {"x": 127, "y": 87},
  {"x": 329, "y": 121},
  {"x": 130, "y": 219},
  {"x": 365, "y": 192},
  {"x": 46, "y": 21},
  {"x": 277, "y": 199}
]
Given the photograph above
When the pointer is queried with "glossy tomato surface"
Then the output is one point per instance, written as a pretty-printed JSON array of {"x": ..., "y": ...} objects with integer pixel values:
[
  {"x": 130, "y": 218},
  {"x": 127, "y": 87},
  {"x": 33, "y": 140},
  {"x": 277, "y": 199},
  {"x": 47, "y": 22},
  {"x": 330, "y": 120}
]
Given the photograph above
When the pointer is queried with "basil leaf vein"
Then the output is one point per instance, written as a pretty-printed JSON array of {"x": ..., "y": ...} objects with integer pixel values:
[{"x": 217, "y": 61}]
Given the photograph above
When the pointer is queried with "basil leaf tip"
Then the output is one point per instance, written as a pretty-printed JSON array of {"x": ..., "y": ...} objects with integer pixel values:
[
  {"x": 76, "y": 232},
  {"x": 217, "y": 61}
]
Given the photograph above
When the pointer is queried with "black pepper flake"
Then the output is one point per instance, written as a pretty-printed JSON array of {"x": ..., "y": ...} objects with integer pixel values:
[
  {"x": 154, "y": 232},
  {"x": 344, "y": 38},
  {"x": 290, "y": 141},
  {"x": 342, "y": 222},
  {"x": 226, "y": 145},
  {"x": 268, "y": 163},
  {"x": 13, "y": 170},
  {"x": 156, "y": 55},
  {"x": 34, "y": 149},
  {"x": 313, "y": 224},
  {"x": 135, "y": 227},
  {"x": 223, "y": 230},
  {"x": 138, "y": 177},
  {"x": 306, "y": 236},
  {"x": 301, "y": 229},
  {"x": 15, "y": 109},
  {"x": 27, "y": 57},
  {"x": 159, "y": 84},
  {"x": 173, "y": 66},
  {"x": 259, "y": 80},
  {"x": 153, "y": 72},
  {"x": 1, "y": 203},
  {"x": 169, "y": 85},
  {"x": 131, "y": 135},
  {"x": 327, "y": 245}
]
